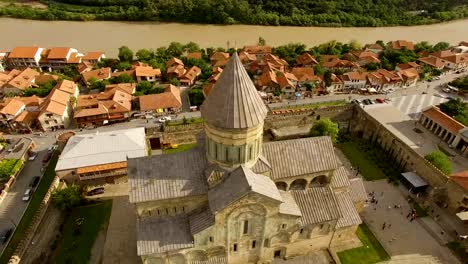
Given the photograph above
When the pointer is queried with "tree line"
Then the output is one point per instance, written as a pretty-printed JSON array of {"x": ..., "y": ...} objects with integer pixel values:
[{"x": 256, "y": 12}]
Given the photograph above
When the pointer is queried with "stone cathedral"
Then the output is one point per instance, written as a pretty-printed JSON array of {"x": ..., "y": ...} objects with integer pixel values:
[{"x": 237, "y": 199}]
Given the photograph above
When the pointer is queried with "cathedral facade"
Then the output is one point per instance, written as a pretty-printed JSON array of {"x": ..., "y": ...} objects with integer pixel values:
[{"x": 236, "y": 199}]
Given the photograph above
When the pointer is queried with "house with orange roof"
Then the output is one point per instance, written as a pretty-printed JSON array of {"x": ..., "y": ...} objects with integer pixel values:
[
  {"x": 327, "y": 58},
  {"x": 69, "y": 87},
  {"x": 401, "y": 44},
  {"x": 338, "y": 64},
  {"x": 277, "y": 62},
  {"x": 354, "y": 80},
  {"x": 457, "y": 190},
  {"x": 59, "y": 57},
  {"x": 5, "y": 77},
  {"x": 174, "y": 62},
  {"x": 306, "y": 60},
  {"x": 336, "y": 85},
  {"x": 287, "y": 83},
  {"x": 147, "y": 73},
  {"x": 25, "y": 122},
  {"x": 190, "y": 76},
  {"x": 21, "y": 82},
  {"x": 383, "y": 80},
  {"x": 12, "y": 109},
  {"x": 56, "y": 111},
  {"x": 433, "y": 62},
  {"x": 98, "y": 75},
  {"x": 168, "y": 101},
  {"x": 93, "y": 57},
  {"x": 446, "y": 128},
  {"x": 375, "y": 48},
  {"x": 112, "y": 105},
  {"x": 175, "y": 68},
  {"x": 409, "y": 76},
  {"x": 409, "y": 65},
  {"x": 363, "y": 58},
  {"x": 268, "y": 82},
  {"x": 84, "y": 66},
  {"x": 194, "y": 55},
  {"x": 258, "y": 51},
  {"x": 246, "y": 58},
  {"x": 129, "y": 88},
  {"x": 24, "y": 57},
  {"x": 219, "y": 59},
  {"x": 304, "y": 74}
]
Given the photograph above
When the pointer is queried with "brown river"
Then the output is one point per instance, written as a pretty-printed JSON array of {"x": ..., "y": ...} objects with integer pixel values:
[{"x": 108, "y": 36}]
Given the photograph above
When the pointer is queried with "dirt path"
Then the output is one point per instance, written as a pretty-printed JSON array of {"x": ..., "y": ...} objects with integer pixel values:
[{"x": 44, "y": 237}]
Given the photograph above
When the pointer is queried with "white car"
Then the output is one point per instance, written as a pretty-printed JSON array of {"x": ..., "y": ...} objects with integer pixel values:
[
  {"x": 149, "y": 117},
  {"x": 27, "y": 195},
  {"x": 32, "y": 156},
  {"x": 164, "y": 119}
]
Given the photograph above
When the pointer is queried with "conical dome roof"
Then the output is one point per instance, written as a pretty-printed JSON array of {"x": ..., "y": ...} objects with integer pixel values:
[{"x": 234, "y": 101}]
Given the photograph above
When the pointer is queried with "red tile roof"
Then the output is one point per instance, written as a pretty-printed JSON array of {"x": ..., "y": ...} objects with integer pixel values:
[
  {"x": 170, "y": 98},
  {"x": 23, "y": 52},
  {"x": 461, "y": 178},
  {"x": 443, "y": 119},
  {"x": 58, "y": 53}
]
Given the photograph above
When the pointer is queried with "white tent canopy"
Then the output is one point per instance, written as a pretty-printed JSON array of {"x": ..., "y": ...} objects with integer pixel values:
[{"x": 463, "y": 216}]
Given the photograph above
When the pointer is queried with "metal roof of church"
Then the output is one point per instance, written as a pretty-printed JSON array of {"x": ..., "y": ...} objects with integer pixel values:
[{"x": 234, "y": 102}]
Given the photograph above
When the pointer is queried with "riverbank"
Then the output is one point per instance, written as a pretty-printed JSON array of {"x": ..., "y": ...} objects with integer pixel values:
[
  {"x": 109, "y": 36},
  {"x": 330, "y": 13}
]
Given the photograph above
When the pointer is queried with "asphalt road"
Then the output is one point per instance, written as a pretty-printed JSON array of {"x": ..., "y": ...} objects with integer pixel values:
[{"x": 13, "y": 207}]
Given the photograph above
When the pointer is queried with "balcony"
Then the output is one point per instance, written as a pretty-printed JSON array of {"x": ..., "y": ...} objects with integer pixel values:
[{"x": 98, "y": 174}]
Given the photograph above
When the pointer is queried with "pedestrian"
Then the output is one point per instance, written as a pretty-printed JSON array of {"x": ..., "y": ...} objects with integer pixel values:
[
  {"x": 383, "y": 226},
  {"x": 376, "y": 201},
  {"x": 409, "y": 214}
]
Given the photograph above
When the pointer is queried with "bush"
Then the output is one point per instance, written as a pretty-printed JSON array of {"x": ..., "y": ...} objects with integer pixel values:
[
  {"x": 325, "y": 127},
  {"x": 67, "y": 198},
  {"x": 440, "y": 160},
  {"x": 9, "y": 167}
]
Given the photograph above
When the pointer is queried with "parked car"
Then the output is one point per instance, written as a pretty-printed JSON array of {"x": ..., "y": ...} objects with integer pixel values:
[
  {"x": 52, "y": 148},
  {"x": 149, "y": 117},
  {"x": 164, "y": 119},
  {"x": 47, "y": 157},
  {"x": 380, "y": 100},
  {"x": 34, "y": 181},
  {"x": 27, "y": 194},
  {"x": 96, "y": 191},
  {"x": 32, "y": 155},
  {"x": 6, "y": 235}
]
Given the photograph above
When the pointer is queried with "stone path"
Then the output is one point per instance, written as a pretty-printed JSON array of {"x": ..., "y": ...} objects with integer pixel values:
[
  {"x": 403, "y": 237},
  {"x": 120, "y": 246}
]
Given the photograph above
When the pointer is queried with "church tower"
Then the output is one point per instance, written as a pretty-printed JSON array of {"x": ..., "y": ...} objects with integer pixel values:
[{"x": 234, "y": 114}]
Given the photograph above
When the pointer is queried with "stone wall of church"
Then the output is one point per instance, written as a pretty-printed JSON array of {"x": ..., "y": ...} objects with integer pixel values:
[
  {"x": 285, "y": 118},
  {"x": 183, "y": 205},
  {"x": 399, "y": 154}
]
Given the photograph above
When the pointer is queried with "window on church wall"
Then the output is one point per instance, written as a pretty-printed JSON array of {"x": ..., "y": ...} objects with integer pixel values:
[
  {"x": 245, "y": 227},
  {"x": 211, "y": 239},
  {"x": 233, "y": 154},
  {"x": 254, "y": 244},
  {"x": 220, "y": 153},
  {"x": 242, "y": 154},
  {"x": 234, "y": 247},
  {"x": 266, "y": 242}
]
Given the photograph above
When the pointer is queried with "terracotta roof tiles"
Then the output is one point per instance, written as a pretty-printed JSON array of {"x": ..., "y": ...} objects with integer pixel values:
[{"x": 443, "y": 119}]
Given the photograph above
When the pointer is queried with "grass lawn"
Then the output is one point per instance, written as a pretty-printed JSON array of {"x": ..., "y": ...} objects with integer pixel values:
[
  {"x": 180, "y": 148},
  {"x": 9, "y": 167},
  {"x": 371, "y": 251},
  {"x": 193, "y": 120},
  {"x": 80, "y": 231},
  {"x": 33, "y": 206},
  {"x": 358, "y": 158}
]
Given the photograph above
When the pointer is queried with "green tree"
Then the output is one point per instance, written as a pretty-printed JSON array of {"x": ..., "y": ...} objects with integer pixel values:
[
  {"x": 123, "y": 66},
  {"x": 174, "y": 81},
  {"x": 440, "y": 160},
  {"x": 327, "y": 77},
  {"x": 125, "y": 54},
  {"x": 441, "y": 46},
  {"x": 325, "y": 127},
  {"x": 122, "y": 78},
  {"x": 192, "y": 47},
  {"x": 67, "y": 198},
  {"x": 454, "y": 107},
  {"x": 175, "y": 49},
  {"x": 196, "y": 96},
  {"x": 261, "y": 41},
  {"x": 144, "y": 55}
]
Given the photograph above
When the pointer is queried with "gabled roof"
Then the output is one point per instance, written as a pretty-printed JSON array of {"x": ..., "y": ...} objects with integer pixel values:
[
  {"x": 246, "y": 57},
  {"x": 219, "y": 56},
  {"x": 303, "y": 74},
  {"x": 306, "y": 59},
  {"x": 433, "y": 61},
  {"x": 194, "y": 55},
  {"x": 168, "y": 99},
  {"x": 67, "y": 86},
  {"x": 191, "y": 74},
  {"x": 257, "y": 49},
  {"x": 297, "y": 157},
  {"x": 12, "y": 107},
  {"x": 443, "y": 119},
  {"x": 317, "y": 205},
  {"x": 237, "y": 185},
  {"x": 399, "y": 44},
  {"x": 126, "y": 87},
  {"x": 350, "y": 76},
  {"x": 99, "y": 74},
  {"x": 93, "y": 55},
  {"x": 147, "y": 71},
  {"x": 174, "y": 61},
  {"x": 234, "y": 103},
  {"x": 23, "y": 52},
  {"x": 24, "y": 79},
  {"x": 58, "y": 53},
  {"x": 461, "y": 178}
]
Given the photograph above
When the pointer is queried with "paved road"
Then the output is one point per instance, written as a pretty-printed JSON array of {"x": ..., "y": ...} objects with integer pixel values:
[
  {"x": 417, "y": 90},
  {"x": 13, "y": 207}
]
